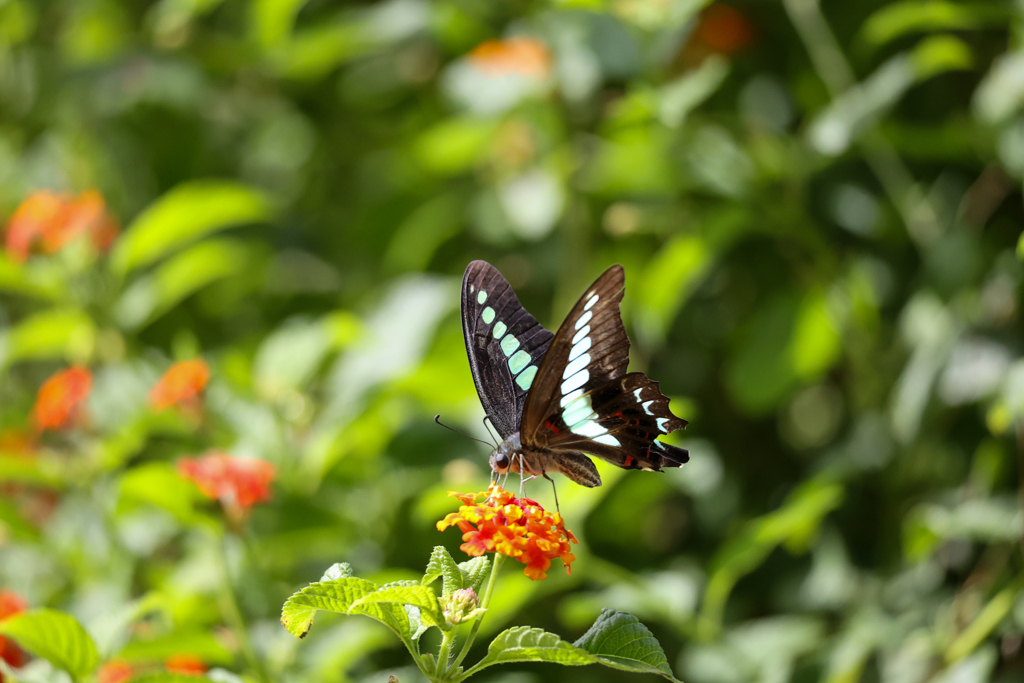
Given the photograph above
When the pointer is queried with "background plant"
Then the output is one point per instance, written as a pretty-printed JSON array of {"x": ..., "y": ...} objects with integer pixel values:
[{"x": 818, "y": 209}]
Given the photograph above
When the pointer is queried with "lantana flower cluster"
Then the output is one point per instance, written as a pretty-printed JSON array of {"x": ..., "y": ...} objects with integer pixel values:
[
  {"x": 47, "y": 221},
  {"x": 516, "y": 527}
]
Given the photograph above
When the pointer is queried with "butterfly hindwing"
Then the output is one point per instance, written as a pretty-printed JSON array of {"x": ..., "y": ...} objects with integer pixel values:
[
  {"x": 504, "y": 342},
  {"x": 583, "y": 399}
]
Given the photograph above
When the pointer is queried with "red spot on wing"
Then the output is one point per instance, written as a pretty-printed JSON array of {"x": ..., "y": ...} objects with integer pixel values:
[
  {"x": 629, "y": 461},
  {"x": 551, "y": 425}
]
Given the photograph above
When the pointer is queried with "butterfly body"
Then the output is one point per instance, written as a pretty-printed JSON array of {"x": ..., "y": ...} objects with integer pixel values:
[{"x": 555, "y": 399}]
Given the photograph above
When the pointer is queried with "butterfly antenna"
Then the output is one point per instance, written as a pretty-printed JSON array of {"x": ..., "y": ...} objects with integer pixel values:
[
  {"x": 488, "y": 428},
  {"x": 437, "y": 419}
]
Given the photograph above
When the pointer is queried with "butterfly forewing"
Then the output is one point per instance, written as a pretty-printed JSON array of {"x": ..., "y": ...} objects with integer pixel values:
[
  {"x": 504, "y": 342},
  {"x": 583, "y": 399}
]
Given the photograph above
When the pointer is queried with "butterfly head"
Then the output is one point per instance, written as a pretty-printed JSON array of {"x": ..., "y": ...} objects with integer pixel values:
[{"x": 506, "y": 452}]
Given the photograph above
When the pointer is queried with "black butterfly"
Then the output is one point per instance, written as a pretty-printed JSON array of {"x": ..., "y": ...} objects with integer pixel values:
[{"x": 553, "y": 398}]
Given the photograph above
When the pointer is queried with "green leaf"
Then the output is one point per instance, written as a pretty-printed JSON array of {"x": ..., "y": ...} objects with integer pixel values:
[
  {"x": 454, "y": 145},
  {"x": 678, "y": 98},
  {"x": 338, "y": 596},
  {"x": 400, "y": 593},
  {"x": 620, "y": 641},
  {"x": 338, "y": 570},
  {"x": 66, "y": 333},
  {"x": 12, "y": 523},
  {"x": 54, "y": 636},
  {"x": 1020, "y": 247},
  {"x": 35, "y": 470},
  {"x": 159, "y": 484},
  {"x": 442, "y": 564},
  {"x": 183, "y": 215},
  {"x": 43, "y": 282},
  {"x": 273, "y": 20},
  {"x": 315, "y": 52},
  {"x": 197, "y": 642},
  {"x": 182, "y": 275},
  {"x": 900, "y": 18},
  {"x": 475, "y": 571},
  {"x": 527, "y": 644}
]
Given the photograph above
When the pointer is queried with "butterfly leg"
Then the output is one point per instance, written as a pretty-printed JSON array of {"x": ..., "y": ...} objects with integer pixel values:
[{"x": 555, "y": 491}]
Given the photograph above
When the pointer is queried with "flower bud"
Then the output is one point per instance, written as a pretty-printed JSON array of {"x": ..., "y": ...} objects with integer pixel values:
[{"x": 462, "y": 605}]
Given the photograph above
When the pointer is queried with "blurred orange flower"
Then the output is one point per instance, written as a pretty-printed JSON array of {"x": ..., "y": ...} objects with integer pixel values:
[
  {"x": 188, "y": 665},
  {"x": 723, "y": 30},
  {"x": 518, "y": 528},
  {"x": 60, "y": 401},
  {"x": 49, "y": 221},
  {"x": 10, "y": 604},
  {"x": 183, "y": 383},
  {"x": 237, "y": 482},
  {"x": 114, "y": 671},
  {"x": 519, "y": 55}
]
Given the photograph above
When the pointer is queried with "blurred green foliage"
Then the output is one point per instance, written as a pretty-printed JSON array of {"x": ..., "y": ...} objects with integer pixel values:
[{"x": 819, "y": 212}]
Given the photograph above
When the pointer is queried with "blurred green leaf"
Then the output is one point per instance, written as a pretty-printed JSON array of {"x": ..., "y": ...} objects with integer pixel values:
[
  {"x": 273, "y": 20},
  {"x": 171, "y": 678},
  {"x": 938, "y": 54},
  {"x": 897, "y": 19},
  {"x": 198, "y": 643},
  {"x": 816, "y": 343},
  {"x": 54, "y": 636},
  {"x": 26, "y": 279},
  {"x": 313, "y": 53},
  {"x": 59, "y": 333},
  {"x": 678, "y": 98},
  {"x": 620, "y": 641},
  {"x": 987, "y": 620},
  {"x": 12, "y": 523},
  {"x": 178, "y": 277},
  {"x": 29, "y": 469},
  {"x": 454, "y": 145},
  {"x": 794, "y": 524},
  {"x": 160, "y": 485},
  {"x": 184, "y": 214},
  {"x": 668, "y": 280}
]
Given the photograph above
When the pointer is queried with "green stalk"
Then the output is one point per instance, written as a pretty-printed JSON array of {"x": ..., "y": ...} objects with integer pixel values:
[
  {"x": 441, "y": 666},
  {"x": 233, "y": 614},
  {"x": 485, "y": 603}
]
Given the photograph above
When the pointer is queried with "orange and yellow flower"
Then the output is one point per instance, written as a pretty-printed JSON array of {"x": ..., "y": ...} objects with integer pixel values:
[
  {"x": 115, "y": 671},
  {"x": 239, "y": 483},
  {"x": 47, "y": 221},
  {"x": 188, "y": 665},
  {"x": 10, "y": 604},
  {"x": 518, "y": 55},
  {"x": 60, "y": 403},
  {"x": 517, "y": 527},
  {"x": 182, "y": 384}
]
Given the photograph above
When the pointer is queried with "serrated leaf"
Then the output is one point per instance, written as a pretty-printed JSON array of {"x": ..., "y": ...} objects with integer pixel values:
[
  {"x": 400, "y": 593},
  {"x": 338, "y": 570},
  {"x": 442, "y": 564},
  {"x": 618, "y": 640},
  {"x": 184, "y": 214},
  {"x": 527, "y": 644},
  {"x": 338, "y": 596},
  {"x": 54, "y": 636},
  {"x": 475, "y": 571}
]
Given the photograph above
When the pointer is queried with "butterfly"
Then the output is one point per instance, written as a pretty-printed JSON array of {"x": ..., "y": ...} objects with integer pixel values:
[{"x": 557, "y": 398}]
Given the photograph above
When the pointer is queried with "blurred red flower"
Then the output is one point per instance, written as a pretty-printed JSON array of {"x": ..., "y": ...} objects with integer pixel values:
[
  {"x": 10, "y": 604},
  {"x": 48, "y": 221},
  {"x": 519, "y": 55},
  {"x": 183, "y": 383},
  {"x": 236, "y": 482},
  {"x": 517, "y": 527},
  {"x": 722, "y": 29},
  {"x": 60, "y": 401},
  {"x": 114, "y": 671},
  {"x": 188, "y": 665}
]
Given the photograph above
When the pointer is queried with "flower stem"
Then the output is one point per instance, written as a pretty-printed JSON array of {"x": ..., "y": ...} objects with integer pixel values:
[
  {"x": 484, "y": 603},
  {"x": 233, "y": 614},
  {"x": 444, "y": 653}
]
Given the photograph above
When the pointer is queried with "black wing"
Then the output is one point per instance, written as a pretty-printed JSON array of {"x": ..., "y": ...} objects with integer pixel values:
[
  {"x": 504, "y": 342},
  {"x": 583, "y": 398}
]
